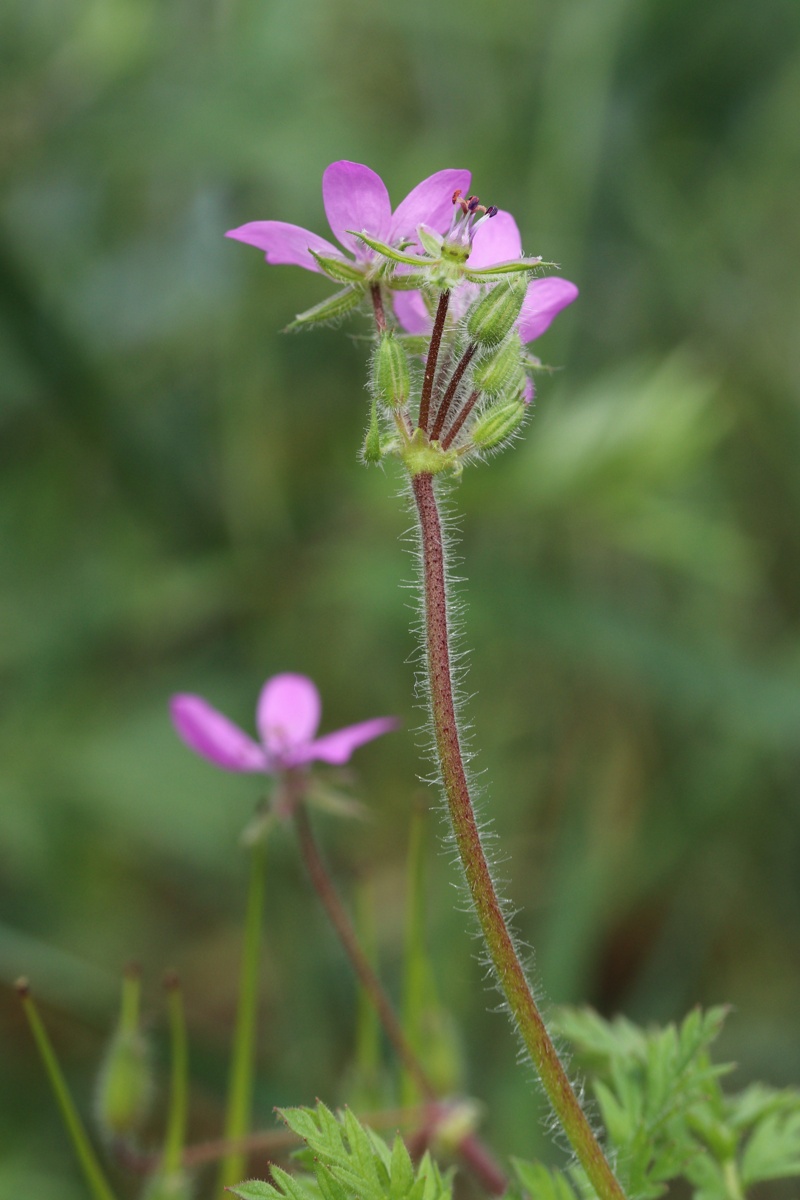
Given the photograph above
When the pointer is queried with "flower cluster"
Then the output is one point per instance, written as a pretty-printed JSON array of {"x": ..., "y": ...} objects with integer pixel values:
[{"x": 449, "y": 286}]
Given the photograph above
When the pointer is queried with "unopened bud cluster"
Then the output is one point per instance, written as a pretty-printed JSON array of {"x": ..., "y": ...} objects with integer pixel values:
[{"x": 463, "y": 392}]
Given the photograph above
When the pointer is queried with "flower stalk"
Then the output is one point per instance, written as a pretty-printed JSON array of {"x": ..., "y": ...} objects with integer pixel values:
[
  {"x": 92, "y": 1171},
  {"x": 469, "y": 1148},
  {"x": 497, "y": 936},
  {"x": 240, "y": 1087}
]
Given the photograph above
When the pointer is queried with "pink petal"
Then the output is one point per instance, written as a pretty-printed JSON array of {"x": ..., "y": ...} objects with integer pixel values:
[
  {"x": 528, "y": 392},
  {"x": 497, "y": 240},
  {"x": 337, "y": 747},
  {"x": 287, "y": 715},
  {"x": 429, "y": 203},
  {"x": 283, "y": 243},
  {"x": 212, "y": 735},
  {"x": 410, "y": 310},
  {"x": 356, "y": 198},
  {"x": 543, "y": 301}
]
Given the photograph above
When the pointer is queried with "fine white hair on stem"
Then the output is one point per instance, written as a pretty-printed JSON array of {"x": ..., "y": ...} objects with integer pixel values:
[{"x": 455, "y": 612}]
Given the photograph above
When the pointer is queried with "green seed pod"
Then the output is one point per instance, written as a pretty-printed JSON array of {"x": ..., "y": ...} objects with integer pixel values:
[
  {"x": 498, "y": 423},
  {"x": 493, "y": 317},
  {"x": 496, "y": 371},
  {"x": 125, "y": 1085},
  {"x": 391, "y": 378},
  {"x": 371, "y": 449}
]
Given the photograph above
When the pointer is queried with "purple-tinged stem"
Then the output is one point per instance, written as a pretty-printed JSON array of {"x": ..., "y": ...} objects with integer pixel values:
[
  {"x": 337, "y": 914},
  {"x": 455, "y": 428},
  {"x": 431, "y": 360},
  {"x": 447, "y": 398},
  {"x": 497, "y": 936},
  {"x": 377, "y": 306},
  {"x": 470, "y": 1149}
]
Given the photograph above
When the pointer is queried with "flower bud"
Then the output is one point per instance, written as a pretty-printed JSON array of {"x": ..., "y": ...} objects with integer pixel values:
[
  {"x": 493, "y": 317},
  {"x": 124, "y": 1086},
  {"x": 391, "y": 378},
  {"x": 496, "y": 371},
  {"x": 371, "y": 449},
  {"x": 498, "y": 423}
]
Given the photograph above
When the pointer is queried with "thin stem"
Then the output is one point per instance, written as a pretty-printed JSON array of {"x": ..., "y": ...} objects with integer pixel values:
[
  {"x": 325, "y": 889},
  {"x": 447, "y": 398},
  {"x": 179, "y": 1079},
  {"x": 470, "y": 1148},
  {"x": 455, "y": 428},
  {"x": 378, "y": 309},
  {"x": 414, "y": 992},
  {"x": 240, "y": 1085},
  {"x": 431, "y": 360},
  {"x": 92, "y": 1171},
  {"x": 498, "y": 939}
]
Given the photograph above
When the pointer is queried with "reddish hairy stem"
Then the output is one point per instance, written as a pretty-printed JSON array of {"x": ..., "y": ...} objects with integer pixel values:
[
  {"x": 431, "y": 360},
  {"x": 447, "y": 398},
  {"x": 377, "y": 305},
  {"x": 498, "y": 939},
  {"x": 455, "y": 428}
]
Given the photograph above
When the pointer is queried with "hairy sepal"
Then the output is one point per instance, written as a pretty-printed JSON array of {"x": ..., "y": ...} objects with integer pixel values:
[{"x": 332, "y": 309}]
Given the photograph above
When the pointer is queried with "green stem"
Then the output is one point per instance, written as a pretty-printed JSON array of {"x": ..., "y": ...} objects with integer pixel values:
[
  {"x": 337, "y": 914},
  {"x": 240, "y": 1086},
  {"x": 497, "y": 936},
  {"x": 179, "y": 1080},
  {"x": 470, "y": 1148},
  {"x": 415, "y": 963},
  {"x": 93, "y": 1172}
]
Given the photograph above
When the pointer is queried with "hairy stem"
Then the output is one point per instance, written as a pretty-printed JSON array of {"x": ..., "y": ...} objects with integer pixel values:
[
  {"x": 377, "y": 307},
  {"x": 497, "y": 936},
  {"x": 470, "y": 1149},
  {"x": 447, "y": 398},
  {"x": 432, "y": 359},
  {"x": 455, "y": 428}
]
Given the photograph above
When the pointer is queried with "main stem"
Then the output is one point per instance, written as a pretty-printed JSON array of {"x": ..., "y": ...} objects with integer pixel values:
[{"x": 498, "y": 939}]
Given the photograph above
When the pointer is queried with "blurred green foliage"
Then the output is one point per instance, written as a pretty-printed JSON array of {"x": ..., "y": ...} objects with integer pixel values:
[{"x": 181, "y": 508}]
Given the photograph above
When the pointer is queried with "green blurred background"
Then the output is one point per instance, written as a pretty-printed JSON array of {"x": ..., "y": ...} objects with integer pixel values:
[{"x": 182, "y": 509}]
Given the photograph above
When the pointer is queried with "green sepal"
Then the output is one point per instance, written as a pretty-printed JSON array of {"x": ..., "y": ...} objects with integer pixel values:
[
  {"x": 391, "y": 378},
  {"x": 125, "y": 1085},
  {"x": 501, "y": 270},
  {"x": 492, "y": 318},
  {"x": 371, "y": 449},
  {"x": 431, "y": 241},
  {"x": 340, "y": 269},
  {"x": 388, "y": 251},
  {"x": 329, "y": 310},
  {"x": 498, "y": 423},
  {"x": 407, "y": 283},
  {"x": 496, "y": 371}
]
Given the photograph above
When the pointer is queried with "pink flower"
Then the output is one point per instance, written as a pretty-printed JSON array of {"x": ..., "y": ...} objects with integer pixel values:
[
  {"x": 287, "y": 716},
  {"x": 496, "y": 241},
  {"x": 356, "y": 198}
]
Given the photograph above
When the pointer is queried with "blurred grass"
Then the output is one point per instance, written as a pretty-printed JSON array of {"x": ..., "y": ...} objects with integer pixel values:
[{"x": 181, "y": 508}]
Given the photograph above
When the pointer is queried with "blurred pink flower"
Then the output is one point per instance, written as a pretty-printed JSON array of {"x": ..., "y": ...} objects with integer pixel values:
[
  {"x": 496, "y": 241},
  {"x": 356, "y": 198},
  {"x": 287, "y": 717}
]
